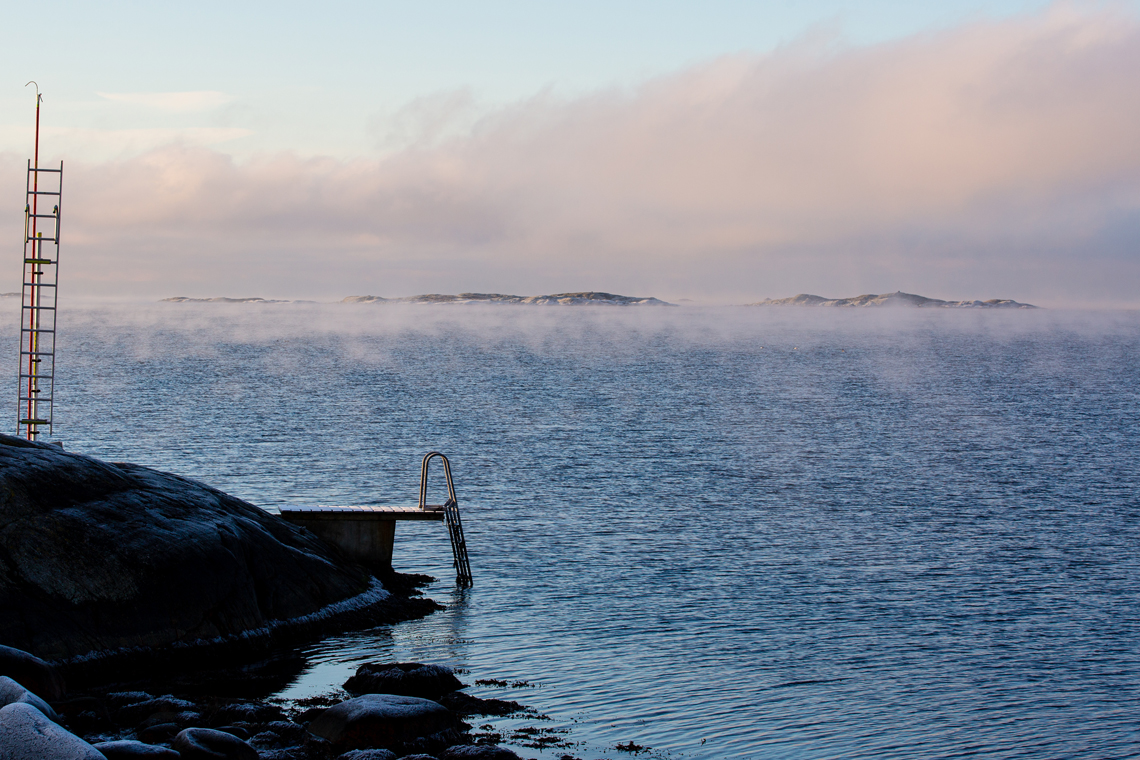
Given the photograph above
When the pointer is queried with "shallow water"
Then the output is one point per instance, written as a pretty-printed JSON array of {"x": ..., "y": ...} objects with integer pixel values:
[{"x": 713, "y": 532}]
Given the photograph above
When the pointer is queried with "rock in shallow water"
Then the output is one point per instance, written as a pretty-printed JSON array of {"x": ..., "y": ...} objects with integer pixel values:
[
  {"x": 97, "y": 556},
  {"x": 478, "y": 752},
  {"x": 410, "y": 679},
  {"x": 27, "y": 734},
  {"x": 385, "y": 721}
]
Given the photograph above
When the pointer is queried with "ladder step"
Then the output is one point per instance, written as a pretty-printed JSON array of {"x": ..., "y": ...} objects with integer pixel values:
[
  {"x": 43, "y": 192},
  {"x": 38, "y": 261},
  {"x": 42, "y": 240},
  {"x": 37, "y": 353},
  {"x": 35, "y": 330},
  {"x": 34, "y": 422},
  {"x": 38, "y": 308},
  {"x": 43, "y": 216},
  {"x": 39, "y": 285},
  {"x": 34, "y": 169}
]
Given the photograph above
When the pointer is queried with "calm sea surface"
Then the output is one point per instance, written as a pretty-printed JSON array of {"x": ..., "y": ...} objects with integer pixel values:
[{"x": 716, "y": 533}]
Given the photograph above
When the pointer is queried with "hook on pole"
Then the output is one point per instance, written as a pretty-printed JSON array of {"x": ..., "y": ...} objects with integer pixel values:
[{"x": 39, "y": 96}]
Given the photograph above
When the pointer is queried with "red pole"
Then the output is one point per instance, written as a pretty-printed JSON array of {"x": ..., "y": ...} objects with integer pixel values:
[{"x": 32, "y": 315}]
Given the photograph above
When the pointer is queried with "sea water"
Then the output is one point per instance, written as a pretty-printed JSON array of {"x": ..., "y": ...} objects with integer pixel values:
[{"x": 711, "y": 532}]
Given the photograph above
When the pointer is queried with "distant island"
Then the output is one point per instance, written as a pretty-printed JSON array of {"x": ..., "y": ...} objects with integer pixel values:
[
  {"x": 570, "y": 299},
  {"x": 896, "y": 299},
  {"x": 221, "y": 299}
]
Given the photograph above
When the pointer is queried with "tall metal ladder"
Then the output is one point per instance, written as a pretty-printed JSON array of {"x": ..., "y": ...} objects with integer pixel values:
[
  {"x": 451, "y": 518},
  {"x": 39, "y": 296}
]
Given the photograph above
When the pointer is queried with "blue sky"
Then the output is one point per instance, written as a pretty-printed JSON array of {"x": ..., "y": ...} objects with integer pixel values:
[
  {"x": 318, "y": 78},
  {"x": 719, "y": 151}
]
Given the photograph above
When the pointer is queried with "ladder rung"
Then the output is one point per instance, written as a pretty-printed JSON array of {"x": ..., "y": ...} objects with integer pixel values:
[
  {"x": 39, "y": 308},
  {"x": 37, "y": 353},
  {"x": 43, "y": 216},
  {"x": 42, "y": 239},
  {"x": 40, "y": 284},
  {"x": 43, "y": 192},
  {"x": 35, "y": 330},
  {"x": 38, "y": 261},
  {"x": 34, "y": 169},
  {"x": 35, "y": 422}
]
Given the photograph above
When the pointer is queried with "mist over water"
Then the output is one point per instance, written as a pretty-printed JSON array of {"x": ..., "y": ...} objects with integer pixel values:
[{"x": 719, "y": 532}]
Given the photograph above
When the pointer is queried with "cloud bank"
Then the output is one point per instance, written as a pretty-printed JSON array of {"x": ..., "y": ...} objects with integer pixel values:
[{"x": 996, "y": 159}]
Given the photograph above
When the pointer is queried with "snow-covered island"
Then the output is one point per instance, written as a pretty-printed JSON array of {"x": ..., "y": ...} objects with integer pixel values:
[{"x": 898, "y": 298}]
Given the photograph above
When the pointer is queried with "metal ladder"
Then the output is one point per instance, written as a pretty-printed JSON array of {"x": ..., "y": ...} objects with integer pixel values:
[
  {"x": 39, "y": 300},
  {"x": 451, "y": 518}
]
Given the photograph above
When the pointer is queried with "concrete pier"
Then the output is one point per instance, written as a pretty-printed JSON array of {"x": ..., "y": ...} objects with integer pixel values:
[{"x": 366, "y": 534}]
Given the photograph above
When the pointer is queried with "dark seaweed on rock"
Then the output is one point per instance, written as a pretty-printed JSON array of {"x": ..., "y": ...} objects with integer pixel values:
[{"x": 96, "y": 557}]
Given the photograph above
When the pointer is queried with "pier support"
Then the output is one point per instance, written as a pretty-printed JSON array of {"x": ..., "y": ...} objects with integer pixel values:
[{"x": 365, "y": 534}]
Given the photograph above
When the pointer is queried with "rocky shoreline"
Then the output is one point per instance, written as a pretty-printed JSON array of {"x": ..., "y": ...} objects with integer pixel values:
[
  {"x": 386, "y": 711},
  {"x": 145, "y": 615}
]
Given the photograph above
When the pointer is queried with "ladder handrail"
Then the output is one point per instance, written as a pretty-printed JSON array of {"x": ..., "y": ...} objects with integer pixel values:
[
  {"x": 451, "y": 518},
  {"x": 424, "y": 476}
]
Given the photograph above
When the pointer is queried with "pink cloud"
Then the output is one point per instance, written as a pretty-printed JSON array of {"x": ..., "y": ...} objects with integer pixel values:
[{"x": 951, "y": 162}]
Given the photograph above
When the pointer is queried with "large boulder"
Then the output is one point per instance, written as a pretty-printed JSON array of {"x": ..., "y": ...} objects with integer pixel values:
[
  {"x": 38, "y": 676},
  {"x": 208, "y": 744},
  {"x": 12, "y": 692},
  {"x": 132, "y": 750},
  {"x": 27, "y": 734},
  {"x": 97, "y": 556},
  {"x": 386, "y": 721}
]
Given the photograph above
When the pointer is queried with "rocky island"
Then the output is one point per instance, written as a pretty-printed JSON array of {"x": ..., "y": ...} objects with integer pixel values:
[
  {"x": 585, "y": 298},
  {"x": 896, "y": 299}
]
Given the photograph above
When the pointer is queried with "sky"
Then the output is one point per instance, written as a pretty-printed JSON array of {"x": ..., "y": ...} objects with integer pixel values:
[{"x": 721, "y": 152}]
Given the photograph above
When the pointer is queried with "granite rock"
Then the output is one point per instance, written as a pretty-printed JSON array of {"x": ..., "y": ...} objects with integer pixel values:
[
  {"x": 27, "y": 734},
  {"x": 385, "y": 721},
  {"x": 39, "y": 677},
  {"x": 12, "y": 692},
  {"x": 208, "y": 744},
  {"x": 132, "y": 750},
  {"x": 97, "y": 557}
]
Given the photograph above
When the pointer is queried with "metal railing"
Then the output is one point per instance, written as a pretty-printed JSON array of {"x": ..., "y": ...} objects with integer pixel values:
[{"x": 451, "y": 517}]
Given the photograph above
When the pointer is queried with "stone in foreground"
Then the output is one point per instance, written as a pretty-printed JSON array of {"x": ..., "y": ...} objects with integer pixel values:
[
  {"x": 385, "y": 721},
  {"x": 27, "y": 734},
  {"x": 97, "y": 557},
  {"x": 368, "y": 754},
  {"x": 132, "y": 750},
  {"x": 33, "y": 673},
  {"x": 208, "y": 744},
  {"x": 12, "y": 692}
]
